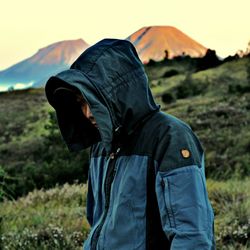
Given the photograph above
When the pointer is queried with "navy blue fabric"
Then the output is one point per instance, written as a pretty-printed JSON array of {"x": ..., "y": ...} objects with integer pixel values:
[
  {"x": 112, "y": 80},
  {"x": 125, "y": 225},
  {"x": 186, "y": 214}
]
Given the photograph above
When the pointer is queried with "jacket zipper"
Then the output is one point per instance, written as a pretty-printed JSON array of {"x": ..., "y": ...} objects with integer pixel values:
[
  {"x": 165, "y": 189},
  {"x": 107, "y": 188}
]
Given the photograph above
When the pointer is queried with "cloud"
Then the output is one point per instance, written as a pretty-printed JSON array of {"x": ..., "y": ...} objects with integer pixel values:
[
  {"x": 23, "y": 85},
  {"x": 16, "y": 86},
  {"x": 3, "y": 88}
]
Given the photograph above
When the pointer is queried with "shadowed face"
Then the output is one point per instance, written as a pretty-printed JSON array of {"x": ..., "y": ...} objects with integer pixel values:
[{"x": 85, "y": 109}]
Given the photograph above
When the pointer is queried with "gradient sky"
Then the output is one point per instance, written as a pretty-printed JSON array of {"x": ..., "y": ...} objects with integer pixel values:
[{"x": 28, "y": 25}]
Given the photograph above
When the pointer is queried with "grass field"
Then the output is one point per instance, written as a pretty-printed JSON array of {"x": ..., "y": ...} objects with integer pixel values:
[{"x": 56, "y": 218}]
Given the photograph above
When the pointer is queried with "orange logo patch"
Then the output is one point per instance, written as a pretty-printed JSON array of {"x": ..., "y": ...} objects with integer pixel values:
[{"x": 185, "y": 153}]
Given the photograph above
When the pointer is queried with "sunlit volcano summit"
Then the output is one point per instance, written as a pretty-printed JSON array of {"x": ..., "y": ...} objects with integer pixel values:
[
  {"x": 64, "y": 52},
  {"x": 158, "y": 42}
]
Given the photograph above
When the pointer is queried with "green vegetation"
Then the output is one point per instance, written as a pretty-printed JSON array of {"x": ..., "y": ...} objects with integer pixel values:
[
  {"x": 231, "y": 202},
  {"x": 52, "y": 219},
  {"x": 215, "y": 102},
  {"x": 56, "y": 218},
  {"x": 32, "y": 151}
]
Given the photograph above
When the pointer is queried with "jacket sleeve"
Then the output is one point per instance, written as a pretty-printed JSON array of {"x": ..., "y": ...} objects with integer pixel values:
[{"x": 186, "y": 214}]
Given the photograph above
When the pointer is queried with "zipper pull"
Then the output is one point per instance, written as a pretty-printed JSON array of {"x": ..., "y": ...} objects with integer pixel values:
[
  {"x": 112, "y": 156},
  {"x": 118, "y": 150}
]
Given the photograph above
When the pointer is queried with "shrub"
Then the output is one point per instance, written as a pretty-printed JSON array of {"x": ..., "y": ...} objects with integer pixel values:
[
  {"x": 168, "y": 98},
  {"x": 5, "y": 190},
  {"x": 45, "y": 162},
  {"x": 50, "y": 237},
  {"x": 238, "y": 88},
  {"x": 188, "y": 87},
  {"x": 170, "y": 73},
  {"x": 230, "y": 201},
  {"x": 44, "y": 220}
]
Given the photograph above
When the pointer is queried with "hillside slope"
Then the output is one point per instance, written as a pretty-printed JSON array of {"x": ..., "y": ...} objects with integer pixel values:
[{"x": 215, "y": 102}]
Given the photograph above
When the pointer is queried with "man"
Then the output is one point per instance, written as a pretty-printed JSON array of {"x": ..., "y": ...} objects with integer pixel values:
[{"x": 146, "y": 185}]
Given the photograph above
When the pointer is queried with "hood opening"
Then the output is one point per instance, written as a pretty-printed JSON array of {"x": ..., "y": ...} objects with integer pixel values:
[
  {"x": 74, "y": 126},
  {"x": 113, "y": 81}
]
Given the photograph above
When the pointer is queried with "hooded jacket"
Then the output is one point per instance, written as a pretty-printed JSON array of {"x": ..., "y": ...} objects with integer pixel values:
[{"x": 146, "y": 183}]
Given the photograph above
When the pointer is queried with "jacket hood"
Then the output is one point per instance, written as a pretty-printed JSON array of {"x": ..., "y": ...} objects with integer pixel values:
[{"x": 112, "y": 80}]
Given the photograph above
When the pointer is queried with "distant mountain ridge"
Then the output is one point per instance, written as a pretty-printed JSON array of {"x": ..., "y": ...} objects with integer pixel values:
[
  {"x": 158, "y": 42},
  {"x": 47, "y": 61},
  {"x": 150, "y": 42}
]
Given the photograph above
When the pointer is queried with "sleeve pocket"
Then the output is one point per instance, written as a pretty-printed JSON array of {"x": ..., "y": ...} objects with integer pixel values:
[{"x": 185, "y": 199}]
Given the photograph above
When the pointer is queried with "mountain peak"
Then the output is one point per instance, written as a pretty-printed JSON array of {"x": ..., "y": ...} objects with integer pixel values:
[
  {"x": 157, "y": 42},
  {"x": 63, "y": 52}
]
